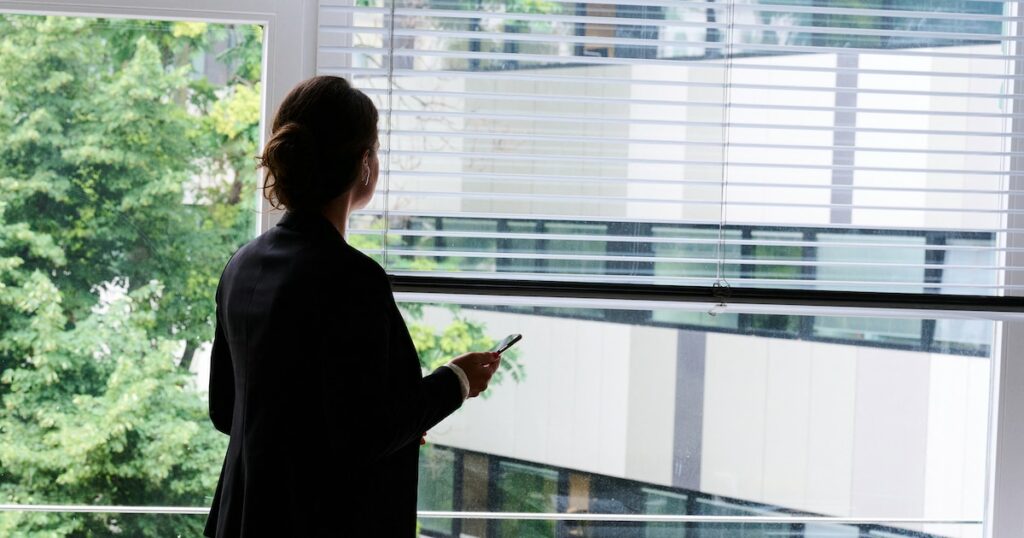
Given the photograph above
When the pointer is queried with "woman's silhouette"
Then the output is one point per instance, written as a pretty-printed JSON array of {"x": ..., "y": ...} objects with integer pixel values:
[{"x": 313, "y": 373}]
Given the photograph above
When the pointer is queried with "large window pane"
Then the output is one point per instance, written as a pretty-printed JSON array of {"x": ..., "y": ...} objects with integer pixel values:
[
  {"x": 127, "y": 181},
  {"x": 834, "y": 146},
  {"x": 623, "y": 413}
]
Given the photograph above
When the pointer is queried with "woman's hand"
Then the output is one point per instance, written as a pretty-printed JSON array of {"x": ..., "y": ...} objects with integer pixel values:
[{"x": 479, "y": 367}]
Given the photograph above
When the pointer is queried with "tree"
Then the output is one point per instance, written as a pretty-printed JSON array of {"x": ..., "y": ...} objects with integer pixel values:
[
  {"x": 98, "y": 404},
  {"x": 126, "y": 181}
]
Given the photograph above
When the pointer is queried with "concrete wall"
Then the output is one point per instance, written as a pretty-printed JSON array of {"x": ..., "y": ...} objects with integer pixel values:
[{"x": 833, "y": 429}]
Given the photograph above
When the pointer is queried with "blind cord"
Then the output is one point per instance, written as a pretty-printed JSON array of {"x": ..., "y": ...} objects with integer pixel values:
[
  {"x": 389, "y": 98},
  {"x": 720, "y": 289}
]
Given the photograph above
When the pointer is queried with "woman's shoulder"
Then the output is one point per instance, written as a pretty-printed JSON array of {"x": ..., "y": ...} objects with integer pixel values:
[
  {"x": 307, "y": 258},
  {"x": 361, "y": 260},
  {"x": 364, "y": 270},
  {"x": 345, "y": 264}
]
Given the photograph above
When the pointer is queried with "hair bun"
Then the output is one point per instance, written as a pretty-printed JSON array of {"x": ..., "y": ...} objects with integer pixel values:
[
  {"x": 287, "y": 158},
  {"x": 293, "y": 140},
  {"x": 321, "y": 131}
]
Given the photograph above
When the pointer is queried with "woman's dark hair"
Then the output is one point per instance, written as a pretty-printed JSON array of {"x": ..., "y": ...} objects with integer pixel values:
[{"x": 320, "y": 133}]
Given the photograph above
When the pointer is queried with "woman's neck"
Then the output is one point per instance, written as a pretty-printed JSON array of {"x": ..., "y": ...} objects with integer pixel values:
[{"x": 338, "y": 210}]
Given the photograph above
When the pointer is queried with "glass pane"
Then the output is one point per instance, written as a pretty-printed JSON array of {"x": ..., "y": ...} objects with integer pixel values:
[
  {"x": 622, "y": 412},
  {"x": 526, "y": 488},
  {"x": 437, "y": 487},
  {"x": 881, "y": 330},
  {"x": 850, "y": 143},
  {"x": 128, "y": 181},
  {"x": 570, "y": 248},
  {"x": 845, "y": 264}
]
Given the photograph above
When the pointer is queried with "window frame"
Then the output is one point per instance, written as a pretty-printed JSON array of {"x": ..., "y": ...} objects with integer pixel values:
[
  {"x": 289, "y": 45},
  {"x": 1005, "y": 464},
  {"x": 1005, "y": 480},
  {"x": 290, "y": 56}
]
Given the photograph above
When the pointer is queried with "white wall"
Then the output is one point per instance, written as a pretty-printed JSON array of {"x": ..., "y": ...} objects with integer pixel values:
[
  {"x": 833, "y": 429},
  {"x": 844, "y": 430}
]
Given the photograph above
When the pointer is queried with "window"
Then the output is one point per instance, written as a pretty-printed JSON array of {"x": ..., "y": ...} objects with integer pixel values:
[
  {"x": 127, "y": 146},
  {"x": 616, "y": 416},
  {"x": 816, "y": 133},
  {"x": 708, "y": 219},
  {"x": 816, "y": 167}
]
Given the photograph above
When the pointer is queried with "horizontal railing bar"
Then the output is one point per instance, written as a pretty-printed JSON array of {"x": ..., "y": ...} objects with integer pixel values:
[
  {"x": 663, "y": 518},
  {"x": 434, "y": 514},
  {"x": 105, "y": 509}
]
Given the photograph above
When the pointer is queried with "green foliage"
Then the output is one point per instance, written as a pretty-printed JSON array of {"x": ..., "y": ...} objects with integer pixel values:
[
  {"x": 102, "y": 414},
  {"x": 107, "y": 269},
  {"x": 126, "y": 181},
  {"x": 98, "y": 124},
  {"x": 460, "y": 334}
]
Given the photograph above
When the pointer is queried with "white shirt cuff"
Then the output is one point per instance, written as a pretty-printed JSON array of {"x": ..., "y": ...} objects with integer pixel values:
[{"x": 463, "y": 380}]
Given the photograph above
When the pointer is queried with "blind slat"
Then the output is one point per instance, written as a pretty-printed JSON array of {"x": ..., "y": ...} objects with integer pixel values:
[
  {"x": 787, "y": 7},
  {"x": 669, "y": 240},
  {"x": 554, "y": 217},
  {"x": 598, "y": 60},
  {"x": 534, "y": 157},
  {"x": 711, "y": 182},
  {"x": 611, "y": 199},
  {"x": 559, "y": 39},
  {"x": 434, "y": 253},
  {"x": 699, "y": 84},
  {"x": 420, "y": 13},
  {"x": 701, "y": 281},
  {"x": 537, "y": 118}
]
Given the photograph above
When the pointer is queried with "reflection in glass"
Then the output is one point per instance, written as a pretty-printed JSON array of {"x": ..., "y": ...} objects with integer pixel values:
[{"x": 625, "y": 412}]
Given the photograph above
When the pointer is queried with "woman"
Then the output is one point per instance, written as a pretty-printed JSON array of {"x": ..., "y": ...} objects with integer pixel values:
[{"x": 313, "y": 373}]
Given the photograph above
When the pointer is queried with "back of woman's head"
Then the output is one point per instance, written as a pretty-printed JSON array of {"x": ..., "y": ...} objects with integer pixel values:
[{"x": 321, "y": 132}]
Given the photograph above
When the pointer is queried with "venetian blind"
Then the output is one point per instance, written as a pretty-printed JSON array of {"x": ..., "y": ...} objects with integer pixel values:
[{"x": 826, "y": 144}]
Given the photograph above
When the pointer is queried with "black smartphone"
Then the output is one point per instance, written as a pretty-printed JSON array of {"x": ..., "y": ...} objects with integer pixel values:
[{"x": 500, "y": 347}]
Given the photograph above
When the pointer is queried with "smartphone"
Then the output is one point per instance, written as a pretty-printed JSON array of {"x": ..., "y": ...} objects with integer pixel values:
[{"x": 500, "y": 347}]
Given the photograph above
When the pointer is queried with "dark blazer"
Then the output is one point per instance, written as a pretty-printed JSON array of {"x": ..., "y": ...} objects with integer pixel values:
[{"x": 315, "y": 377}]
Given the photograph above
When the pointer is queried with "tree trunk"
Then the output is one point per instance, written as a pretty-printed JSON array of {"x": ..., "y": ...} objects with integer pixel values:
[{"x": 188, "y": 355}]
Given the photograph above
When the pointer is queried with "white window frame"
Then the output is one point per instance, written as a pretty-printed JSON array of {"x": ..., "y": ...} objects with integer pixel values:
[
  {"x": 1004, "y": 503},
  {"x": 289, "y": 45}
]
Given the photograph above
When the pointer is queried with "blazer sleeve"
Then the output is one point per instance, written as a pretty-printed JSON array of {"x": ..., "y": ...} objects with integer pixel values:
[
  {"x": 384, "y": 417},
  {"x": 222, "y": 379}
]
